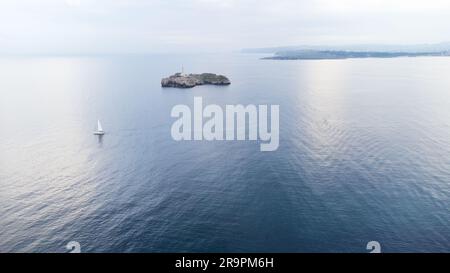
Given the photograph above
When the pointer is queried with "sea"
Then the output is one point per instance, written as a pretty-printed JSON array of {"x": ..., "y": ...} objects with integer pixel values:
[{"x": 364, "y": 155}]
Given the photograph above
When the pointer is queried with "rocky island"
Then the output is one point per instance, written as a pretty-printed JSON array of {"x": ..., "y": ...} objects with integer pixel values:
[{"x": 181, "y": 80}]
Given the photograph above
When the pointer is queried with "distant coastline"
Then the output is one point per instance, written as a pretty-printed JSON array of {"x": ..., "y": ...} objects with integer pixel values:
[
  {"x": 324, "y": 52},
  {"x": 341, "y": 54}
]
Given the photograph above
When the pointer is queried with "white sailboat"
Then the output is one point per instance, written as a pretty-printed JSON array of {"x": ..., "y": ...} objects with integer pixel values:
[{"x": 99, "y": 131}]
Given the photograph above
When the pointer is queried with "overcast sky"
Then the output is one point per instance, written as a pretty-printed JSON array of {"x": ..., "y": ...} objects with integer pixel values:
[{"x": 133, "y": 26}]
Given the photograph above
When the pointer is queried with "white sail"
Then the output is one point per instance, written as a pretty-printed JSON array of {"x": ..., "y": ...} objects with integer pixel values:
[{"x": 99, "y": 126}]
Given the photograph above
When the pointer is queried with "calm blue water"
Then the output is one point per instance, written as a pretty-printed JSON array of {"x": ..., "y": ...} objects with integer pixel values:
[{"x": 364, "y": 155}]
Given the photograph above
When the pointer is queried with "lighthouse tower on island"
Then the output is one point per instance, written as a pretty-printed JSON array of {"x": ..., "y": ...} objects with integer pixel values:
[{"x": 182, "y": 71}]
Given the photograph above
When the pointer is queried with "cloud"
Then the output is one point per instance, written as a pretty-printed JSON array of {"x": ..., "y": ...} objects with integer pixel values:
[
  {"x": 170, "y": 25},
  {"x": 73, "y": 3}
]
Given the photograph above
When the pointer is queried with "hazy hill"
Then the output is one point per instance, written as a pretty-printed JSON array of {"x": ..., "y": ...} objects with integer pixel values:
[{"x": 419, "y": 48}]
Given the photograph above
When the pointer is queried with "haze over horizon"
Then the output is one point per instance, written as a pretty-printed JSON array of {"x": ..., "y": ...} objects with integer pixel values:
[{"x": 132, "y": 26}]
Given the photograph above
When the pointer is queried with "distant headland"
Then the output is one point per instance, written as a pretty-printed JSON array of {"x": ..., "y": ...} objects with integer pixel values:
[
  {"x": 324, "y": 52},
  {"x": 181, "y": 80},
  {"x": 332, "y": 55}
]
